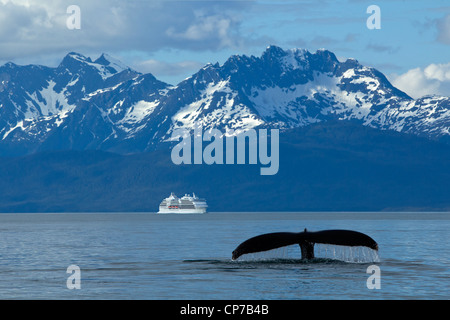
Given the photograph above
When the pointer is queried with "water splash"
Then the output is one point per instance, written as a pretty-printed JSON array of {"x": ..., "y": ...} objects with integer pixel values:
[
  {"x": 346, "y": 254},
  {"x": 321, "y": 251}
]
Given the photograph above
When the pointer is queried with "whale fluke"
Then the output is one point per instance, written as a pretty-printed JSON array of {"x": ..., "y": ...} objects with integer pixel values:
[{"x": 305, "y": 240}]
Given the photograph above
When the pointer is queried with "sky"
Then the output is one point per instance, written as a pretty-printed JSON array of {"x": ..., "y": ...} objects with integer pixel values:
[{"x": 173, "y": 39}]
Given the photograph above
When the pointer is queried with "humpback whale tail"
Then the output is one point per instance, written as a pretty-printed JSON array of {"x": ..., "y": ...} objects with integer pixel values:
[{"x": 305, "y": 240}]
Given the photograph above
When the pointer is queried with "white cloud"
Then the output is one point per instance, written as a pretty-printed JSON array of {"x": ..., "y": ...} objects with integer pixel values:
[
  {"x": 38, "y": 27},
  {"x": 418, "y": 82},
  {"x": 443, "y": 28},
  {"x": 206, "y": 28},
  {"x": 165, "y": 69}
]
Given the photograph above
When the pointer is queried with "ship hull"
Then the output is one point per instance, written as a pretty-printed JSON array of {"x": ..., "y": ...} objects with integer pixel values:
[{"x": 182, "y": 211}]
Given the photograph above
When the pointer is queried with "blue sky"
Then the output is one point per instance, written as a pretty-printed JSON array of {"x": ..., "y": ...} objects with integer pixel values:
[{"x": 173, "y": 39}]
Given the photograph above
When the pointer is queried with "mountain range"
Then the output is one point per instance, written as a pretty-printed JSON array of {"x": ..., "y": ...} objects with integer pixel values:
[
  {"x": 105, "y": 105},
  {"x": 93, "y": 135}
]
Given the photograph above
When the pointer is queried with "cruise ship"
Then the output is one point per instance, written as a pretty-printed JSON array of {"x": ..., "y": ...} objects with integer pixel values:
[{"x": 185, "y": 204}]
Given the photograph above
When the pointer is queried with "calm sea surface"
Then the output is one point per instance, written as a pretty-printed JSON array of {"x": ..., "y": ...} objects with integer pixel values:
[{"x": 149, "y": 256}]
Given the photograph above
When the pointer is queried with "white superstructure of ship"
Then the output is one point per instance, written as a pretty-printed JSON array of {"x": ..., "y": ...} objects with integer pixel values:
[{"x": 185, "y": 204}]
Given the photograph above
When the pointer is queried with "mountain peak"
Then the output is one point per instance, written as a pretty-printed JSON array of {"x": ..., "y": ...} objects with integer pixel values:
[
  {"x": 74, "y": 61},
  {"x": 111, "y": 62},
  {"x": 299, "y": 52},
  {"x": 274, "y": 51},
  {"x": 103, "y": 59},
  {"x": 10, "y": 65},
  {"x": 106, "y": 66},
  {"x": 326, "y": 55},
  {"x": 322, "y": 59},
  {"x": 78, "y": 56}
]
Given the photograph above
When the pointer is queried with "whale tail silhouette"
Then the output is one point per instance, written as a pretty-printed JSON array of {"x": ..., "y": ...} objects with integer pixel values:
[{"x": 305, "y": 240}]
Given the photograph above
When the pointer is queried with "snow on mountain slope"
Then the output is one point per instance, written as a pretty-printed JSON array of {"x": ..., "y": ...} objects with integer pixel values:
[
  {"x": 216, "y": 106},
  {"x": 109, "y": 65},
  {"x": 136, "y": 114},
  {"x": 105, "y": 105},
  {"x": 47, "y": 102},
  {"x": 288, "y": 103}
]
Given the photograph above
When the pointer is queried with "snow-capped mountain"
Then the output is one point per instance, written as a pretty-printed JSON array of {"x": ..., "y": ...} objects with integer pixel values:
[
  {"x": 36, "y": 100},
  {"x": 102, "y": 104},
  {"x": 295, "y": 88}
]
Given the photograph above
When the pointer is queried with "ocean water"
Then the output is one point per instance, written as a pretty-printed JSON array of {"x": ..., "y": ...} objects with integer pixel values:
[{"x": 188, "y": 257}]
